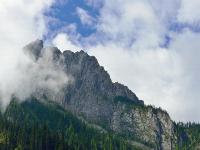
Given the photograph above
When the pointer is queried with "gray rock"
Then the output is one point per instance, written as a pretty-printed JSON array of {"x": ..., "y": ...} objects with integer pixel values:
[
  {"x": 34, "y": 49},
  {"x": 112, "y": 106}
]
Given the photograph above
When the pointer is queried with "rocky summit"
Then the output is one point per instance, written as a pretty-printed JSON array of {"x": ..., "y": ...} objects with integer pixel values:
[{"x": 111, "y": 107}]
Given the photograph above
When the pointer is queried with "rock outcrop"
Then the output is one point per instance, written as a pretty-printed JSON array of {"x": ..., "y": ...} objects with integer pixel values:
[{"x": 93, "y": 96}]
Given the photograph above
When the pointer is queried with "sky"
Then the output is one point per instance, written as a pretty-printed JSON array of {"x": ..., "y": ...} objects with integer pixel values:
[{"x": 152, "y": 46}]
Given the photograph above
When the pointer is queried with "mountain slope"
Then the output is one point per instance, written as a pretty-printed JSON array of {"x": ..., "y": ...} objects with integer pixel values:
[
  {"x": 35, "y": 125},
  {"x": 111, "y": 107},
  {"x": 95, "y": 98}
]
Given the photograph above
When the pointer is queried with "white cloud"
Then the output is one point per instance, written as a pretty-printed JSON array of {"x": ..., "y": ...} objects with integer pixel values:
[
  {"x": 132, "y": 22},
  {"x": 166, "y": 10},
  {"x": 189, "y": 12},
  {"x": 22, "y": 21},
  {"x": 84, "y": 16},
  {"x": 63, "y": 42},
  {"x": 186, "y": 45},
  {"x": 94, "y": 3},
  {"x": 127, "y": 43}
]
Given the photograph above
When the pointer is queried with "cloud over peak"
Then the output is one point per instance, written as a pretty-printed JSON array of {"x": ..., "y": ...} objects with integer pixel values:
[
  {"x": 147, "y": 46},
  {"x": 151, "y": 46}
]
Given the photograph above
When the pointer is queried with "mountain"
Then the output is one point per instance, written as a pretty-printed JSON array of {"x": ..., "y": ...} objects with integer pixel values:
[
  {"x": 33, "y": 125},
  {"x": 107, "y": 109},
  {"x": 95, "y": 98}
]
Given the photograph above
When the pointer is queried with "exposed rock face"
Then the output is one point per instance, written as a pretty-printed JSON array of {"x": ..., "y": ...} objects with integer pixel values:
[
  {"x": 93, "y": 91},
  {"x": 147, "y": 124},
  {"x": 34, "y": 49},
  {"x": 93, "y": 96}
]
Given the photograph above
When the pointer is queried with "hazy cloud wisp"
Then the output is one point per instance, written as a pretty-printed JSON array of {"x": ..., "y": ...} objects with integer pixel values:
[{"x": 23, "y": 22}]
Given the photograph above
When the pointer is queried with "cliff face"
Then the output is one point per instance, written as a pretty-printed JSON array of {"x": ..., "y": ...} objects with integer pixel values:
[
  {"x": 147, "y": 125},
  {"x": 94, "y": 97}
]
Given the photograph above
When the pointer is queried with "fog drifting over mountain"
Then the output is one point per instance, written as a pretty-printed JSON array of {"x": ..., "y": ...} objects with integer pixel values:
[
  {"x": 20, "y": 73},
  {"x": 150, "y": 46}
]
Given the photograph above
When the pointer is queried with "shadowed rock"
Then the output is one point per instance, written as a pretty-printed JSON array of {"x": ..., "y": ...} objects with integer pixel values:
[{"x": 34, "y": 49}]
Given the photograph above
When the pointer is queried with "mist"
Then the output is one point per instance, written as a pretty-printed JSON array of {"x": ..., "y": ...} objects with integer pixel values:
[
  {"x": 20, "y": 73},
  {"x": 32, "y": 72}
]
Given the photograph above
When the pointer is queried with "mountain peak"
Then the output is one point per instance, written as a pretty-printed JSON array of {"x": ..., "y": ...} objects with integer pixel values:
[
  {"x": 85, "y": 70},
  {"x": 93, "y": 97},
  {"x": 34, "y": 49}
]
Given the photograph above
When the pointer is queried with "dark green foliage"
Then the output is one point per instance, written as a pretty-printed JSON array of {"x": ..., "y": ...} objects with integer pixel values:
[
  {"x": 188, "y": 136},
  {"x": 33, "y": 125},
  {"x": 36, "y": 126},
  {"x": 123, "y": 99},
  {"x": 132, "y": 105}
]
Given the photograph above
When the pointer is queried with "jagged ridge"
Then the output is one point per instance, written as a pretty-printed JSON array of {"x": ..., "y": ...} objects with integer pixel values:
[{"x": 94, "y": 97}]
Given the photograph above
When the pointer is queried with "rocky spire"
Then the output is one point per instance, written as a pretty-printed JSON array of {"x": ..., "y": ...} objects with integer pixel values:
[{"x": 34, "y": 49}]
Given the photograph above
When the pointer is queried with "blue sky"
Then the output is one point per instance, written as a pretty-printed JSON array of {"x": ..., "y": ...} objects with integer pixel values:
[
  {"x": 150, "y": 46},
  {"x": 65, "y": 14}
]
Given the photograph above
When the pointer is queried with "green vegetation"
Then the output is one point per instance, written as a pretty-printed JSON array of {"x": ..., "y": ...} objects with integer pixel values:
[
  {"x": 188, "y": 136},
  {"x": 132, "y": 105},
  {"x": 32, "y": 125},
  {"x": 124, "y": 100}
]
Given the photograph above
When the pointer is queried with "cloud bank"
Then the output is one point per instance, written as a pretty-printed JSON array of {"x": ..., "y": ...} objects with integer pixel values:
[
  {"x": 22, "y": 22},
  {"x": 151, "y": 46}
]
